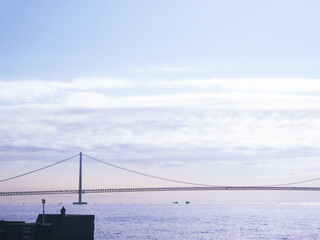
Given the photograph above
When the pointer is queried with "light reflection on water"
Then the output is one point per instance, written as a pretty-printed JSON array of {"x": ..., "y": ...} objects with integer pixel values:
[{"x": 236, "y": 221}]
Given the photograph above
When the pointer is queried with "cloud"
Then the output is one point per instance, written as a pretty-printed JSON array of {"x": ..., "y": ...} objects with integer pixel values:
[
  {"x": 105, "y": 93},
  {"x": 165, "y": 69},
  {"x": 256, "y": 130},
  {"x": 295, "y": 85},
  {"x": 98, "y": 83},
  {"x": 36, "y": 91},
  {"x": 210, "y": 134},
  {"x": 219, "y": 100}
]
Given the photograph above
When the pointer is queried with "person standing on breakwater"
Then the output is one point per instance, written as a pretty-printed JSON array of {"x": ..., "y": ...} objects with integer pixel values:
[{"x": 63, "y": 211}]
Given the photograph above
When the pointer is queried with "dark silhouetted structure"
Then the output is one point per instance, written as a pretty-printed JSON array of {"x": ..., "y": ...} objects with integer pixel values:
[{"x": 56, "y": 227}]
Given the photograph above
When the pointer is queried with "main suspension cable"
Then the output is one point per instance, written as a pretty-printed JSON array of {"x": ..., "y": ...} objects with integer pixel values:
[
  {"x": 148, "y": 175},
  {"x": 191, "y": 183},
  {"x": 292, "y": 183},
  {"x": 39, "y": 169}
]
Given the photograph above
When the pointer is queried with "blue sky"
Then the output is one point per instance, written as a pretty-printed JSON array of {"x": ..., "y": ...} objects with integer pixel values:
[
  {"x": 229, "y": 88},
  {"x": 64, "y": 40}
]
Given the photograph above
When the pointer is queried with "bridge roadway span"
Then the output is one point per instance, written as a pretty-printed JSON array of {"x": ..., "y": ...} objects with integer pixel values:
[{"x": 162, "y": 189}]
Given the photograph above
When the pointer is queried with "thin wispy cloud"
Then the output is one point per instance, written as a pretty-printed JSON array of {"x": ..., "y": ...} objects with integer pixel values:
[
  {"x": 36, "y": 91},
  {"x": 275, "y": 85},
  {"x": 239, "y": 128},
  {"x": 224, "y": 93},
  {"x": 237, "y": 122},
  {"x": 164, "y": 69}
]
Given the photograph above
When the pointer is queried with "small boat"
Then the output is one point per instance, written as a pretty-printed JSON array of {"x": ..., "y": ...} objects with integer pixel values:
[
  {"x": 187, "y": 202},
  {"x": 175, "y": 202}
]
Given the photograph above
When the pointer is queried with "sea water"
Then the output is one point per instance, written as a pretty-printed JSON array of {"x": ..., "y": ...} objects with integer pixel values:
[{"x": 188, "y": 221}]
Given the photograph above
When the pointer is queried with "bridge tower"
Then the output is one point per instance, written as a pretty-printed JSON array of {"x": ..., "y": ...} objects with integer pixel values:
[{"x": 80, "y": 182}]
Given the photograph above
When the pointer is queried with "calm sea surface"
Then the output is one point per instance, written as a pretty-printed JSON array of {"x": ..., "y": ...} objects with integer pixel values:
[{"x": 241, "y": 221}]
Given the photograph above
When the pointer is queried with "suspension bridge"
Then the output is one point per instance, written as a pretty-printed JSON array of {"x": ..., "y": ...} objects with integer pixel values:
[{"x": 191, "y": 186}]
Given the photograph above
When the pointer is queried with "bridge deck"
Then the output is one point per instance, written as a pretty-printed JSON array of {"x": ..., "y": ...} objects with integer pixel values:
[{"x": 163, "y": 189}]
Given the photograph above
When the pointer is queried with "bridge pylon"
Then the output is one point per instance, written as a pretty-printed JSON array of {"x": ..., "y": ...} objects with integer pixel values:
[{"x": 80, "y": 182}]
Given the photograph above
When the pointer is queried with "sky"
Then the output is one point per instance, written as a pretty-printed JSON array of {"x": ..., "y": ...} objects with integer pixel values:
[{"x": 216, "y": 92}]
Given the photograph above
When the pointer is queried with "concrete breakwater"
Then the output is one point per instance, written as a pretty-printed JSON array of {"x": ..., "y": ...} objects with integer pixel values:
[{"x": 50, "y": 227}]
